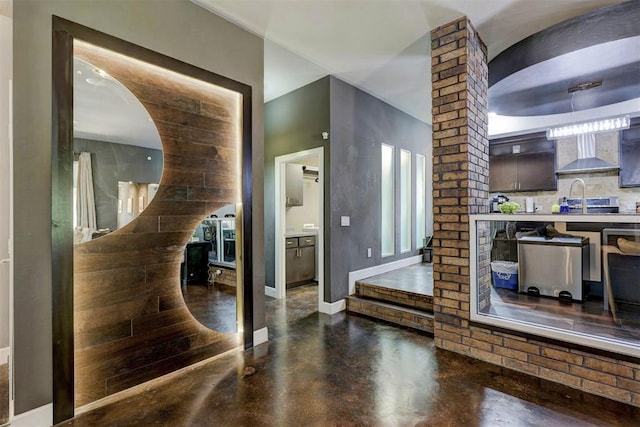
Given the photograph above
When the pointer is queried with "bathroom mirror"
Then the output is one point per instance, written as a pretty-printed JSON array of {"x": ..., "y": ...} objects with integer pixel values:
[
  {"x": 208, "y": 273},
  {"x": 117, "y": 153}
]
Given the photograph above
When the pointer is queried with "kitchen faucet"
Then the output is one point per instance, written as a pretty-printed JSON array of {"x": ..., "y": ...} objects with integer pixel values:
[{"x": 584, "y": 199}]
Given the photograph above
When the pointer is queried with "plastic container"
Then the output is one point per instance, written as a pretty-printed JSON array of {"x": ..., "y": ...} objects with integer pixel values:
[{"x": 505, "y": 274}]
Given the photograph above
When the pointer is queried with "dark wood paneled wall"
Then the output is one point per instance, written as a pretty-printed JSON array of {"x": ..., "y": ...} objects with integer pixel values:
[{"x": 131, "y": 323}]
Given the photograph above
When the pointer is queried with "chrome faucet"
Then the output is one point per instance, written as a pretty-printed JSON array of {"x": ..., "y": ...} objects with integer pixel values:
[{"x": 584, "y": 199}]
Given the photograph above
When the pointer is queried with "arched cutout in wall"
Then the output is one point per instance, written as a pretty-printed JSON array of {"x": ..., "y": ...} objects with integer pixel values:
[{"x": 122, "y": 291}]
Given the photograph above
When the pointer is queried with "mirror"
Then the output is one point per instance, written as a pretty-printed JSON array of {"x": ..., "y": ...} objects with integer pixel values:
[
  {"x": 208, "y": 272},
  {"x": 118, "y": 174}
]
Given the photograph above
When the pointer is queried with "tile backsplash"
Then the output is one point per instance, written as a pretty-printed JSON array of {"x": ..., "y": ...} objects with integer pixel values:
[{"x": 598, "y": 184}]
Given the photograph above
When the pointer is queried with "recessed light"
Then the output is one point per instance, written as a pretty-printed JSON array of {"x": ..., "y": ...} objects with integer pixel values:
[{"x": 148, "y": 157}]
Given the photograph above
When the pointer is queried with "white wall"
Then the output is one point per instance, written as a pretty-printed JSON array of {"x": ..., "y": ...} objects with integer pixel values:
[
  {"x": 6, "y": 65},
  {"x": 297, "y": 216}
]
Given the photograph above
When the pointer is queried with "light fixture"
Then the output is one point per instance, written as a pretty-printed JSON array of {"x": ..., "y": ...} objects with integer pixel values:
[{"x": 596, "y": 126}]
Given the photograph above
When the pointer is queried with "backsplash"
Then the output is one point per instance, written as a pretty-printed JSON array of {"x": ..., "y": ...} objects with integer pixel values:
[{"x": 598, "y": 184}]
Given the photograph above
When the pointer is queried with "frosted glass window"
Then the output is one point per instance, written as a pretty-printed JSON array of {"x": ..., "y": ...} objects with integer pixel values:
[
  {"x": 421, "y": 200},
  {"x": 405, "y": 201},
  {"x": 388, "y": 204}
]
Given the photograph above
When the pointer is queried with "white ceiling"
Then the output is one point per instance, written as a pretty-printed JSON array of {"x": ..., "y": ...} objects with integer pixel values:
[
  {"x": 105, "y": 110},
  {"x": 380, "y": 46}
]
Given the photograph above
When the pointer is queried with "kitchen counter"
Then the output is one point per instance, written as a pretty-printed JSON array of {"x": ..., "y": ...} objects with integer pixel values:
[
  {"x": 628, "y": 217},
  {"x": 300, "y": 233}
]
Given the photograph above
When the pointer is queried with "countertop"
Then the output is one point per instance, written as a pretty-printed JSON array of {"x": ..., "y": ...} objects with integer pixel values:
[
  {"x": 570, "y": 217},
  {"x": 300, "y": 234}
]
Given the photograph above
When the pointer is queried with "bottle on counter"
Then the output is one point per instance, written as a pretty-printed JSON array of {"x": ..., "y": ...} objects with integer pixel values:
[{"x": 564, "y": 206}]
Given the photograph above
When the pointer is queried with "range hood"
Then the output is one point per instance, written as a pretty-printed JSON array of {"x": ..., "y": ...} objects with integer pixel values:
[{"x": 587, "y": 160}]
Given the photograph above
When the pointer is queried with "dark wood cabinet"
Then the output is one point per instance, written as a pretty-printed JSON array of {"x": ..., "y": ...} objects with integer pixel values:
[
  {"x": 300, "y": 260},
  {"x": 522, "y": 163},
  {"x": 630, "y": 155},
  {"x": 195, "y": 267}
]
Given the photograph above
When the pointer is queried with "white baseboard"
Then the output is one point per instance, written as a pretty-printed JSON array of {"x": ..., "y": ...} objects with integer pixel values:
[
  {"x": 270, "y": 292},
  {"x": 333, "y": 307},
  {"x": 379, "y": 269},
  {"x": 260, "y": 336},
  {"x": 39, "y": 417},
  {"x": 4, "y": 355}
]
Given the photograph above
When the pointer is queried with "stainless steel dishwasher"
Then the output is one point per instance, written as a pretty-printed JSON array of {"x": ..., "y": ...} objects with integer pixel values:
[{"x": 553, "y": 267}]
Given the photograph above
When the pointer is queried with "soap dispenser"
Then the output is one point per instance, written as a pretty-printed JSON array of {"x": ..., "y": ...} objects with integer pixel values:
[{"x": 564, "y": 206}]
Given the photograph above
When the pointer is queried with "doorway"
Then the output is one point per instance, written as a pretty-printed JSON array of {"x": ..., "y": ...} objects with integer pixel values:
[
  {"x": 286, "y": 228},
  {"x": 142, "y": 259}
]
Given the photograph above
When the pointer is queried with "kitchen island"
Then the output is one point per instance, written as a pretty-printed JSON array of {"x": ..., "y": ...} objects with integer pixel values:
[{"x": 605, "y": 315}]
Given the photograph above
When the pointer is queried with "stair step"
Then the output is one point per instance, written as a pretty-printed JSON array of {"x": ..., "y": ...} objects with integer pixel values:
[
  {"x": 395, "y": 296},
  {"x": 399, "y": 315}
]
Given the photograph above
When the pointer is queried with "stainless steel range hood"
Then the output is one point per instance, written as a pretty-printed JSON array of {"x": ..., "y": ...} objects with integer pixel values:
[{"x": 587, "y": 160}]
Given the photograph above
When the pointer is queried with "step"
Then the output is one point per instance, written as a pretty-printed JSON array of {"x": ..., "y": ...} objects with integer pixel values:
[
  {"x": 396, "y": 314},
  {"x": 394, "y": 296}
]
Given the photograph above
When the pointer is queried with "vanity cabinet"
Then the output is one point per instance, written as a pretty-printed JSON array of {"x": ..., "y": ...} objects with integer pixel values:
[
  {"x": 294, "y": 184},
  {"x": 300, "y": 260},
  {"x": 522, "y": 163}
]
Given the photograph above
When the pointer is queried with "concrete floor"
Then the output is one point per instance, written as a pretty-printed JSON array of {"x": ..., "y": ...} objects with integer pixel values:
[{"x": 344, "y": 370}]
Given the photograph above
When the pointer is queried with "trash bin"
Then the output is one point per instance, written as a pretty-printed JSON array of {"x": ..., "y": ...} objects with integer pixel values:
[{"x": 505, "y": 274}]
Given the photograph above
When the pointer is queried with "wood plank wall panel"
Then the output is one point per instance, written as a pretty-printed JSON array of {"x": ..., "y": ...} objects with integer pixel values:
[{"x": 131, "y": 323}]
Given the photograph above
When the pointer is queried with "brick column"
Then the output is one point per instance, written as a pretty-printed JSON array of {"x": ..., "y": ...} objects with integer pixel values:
[
  {"x": 460, "y": 188},
  {"x": 460, "y": 169}
]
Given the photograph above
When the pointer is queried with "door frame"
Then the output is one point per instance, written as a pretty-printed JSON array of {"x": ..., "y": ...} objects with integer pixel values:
[
  {"x": 280, "y": 222},
  {"x": 63, "y": 34}
]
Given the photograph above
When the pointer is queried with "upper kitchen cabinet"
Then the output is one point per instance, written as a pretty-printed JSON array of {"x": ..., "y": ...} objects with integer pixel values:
[
  {"x": 294, "y": 184},
  {"x": 630, "y": 155},
  {"x": 522, "y": 163}
]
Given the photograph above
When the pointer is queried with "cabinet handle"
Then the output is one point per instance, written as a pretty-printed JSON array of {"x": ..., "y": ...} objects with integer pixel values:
[{"x": 307, "y": 241}]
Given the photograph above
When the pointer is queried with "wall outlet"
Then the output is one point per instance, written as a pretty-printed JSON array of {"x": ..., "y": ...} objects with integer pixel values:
[
  {"x": 368, "y": 252},
  {"x": 345, "y": 221}
]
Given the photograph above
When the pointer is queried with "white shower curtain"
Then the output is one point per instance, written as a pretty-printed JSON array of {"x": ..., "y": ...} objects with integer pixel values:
[{"x": 86, "y": 202}]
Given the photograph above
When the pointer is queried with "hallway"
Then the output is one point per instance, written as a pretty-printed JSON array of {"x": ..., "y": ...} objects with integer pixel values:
[{"x": 345, "y": 370}]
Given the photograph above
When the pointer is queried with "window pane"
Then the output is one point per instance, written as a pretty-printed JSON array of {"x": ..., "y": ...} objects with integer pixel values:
[
  {"x": 421, "y": 201},
  {"x": 387, "y": 198},
  {"x": 405, "y": 201}
]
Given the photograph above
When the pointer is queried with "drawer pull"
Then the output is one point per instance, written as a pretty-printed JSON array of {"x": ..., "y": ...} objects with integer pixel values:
[{"x": 308, "y": 241}]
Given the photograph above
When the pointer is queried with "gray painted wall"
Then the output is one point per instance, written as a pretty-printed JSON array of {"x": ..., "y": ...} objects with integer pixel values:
[
  {"x": 111, "y": 163},
  {"x": 178, "y": 29},
  {"x": 359, "y": 124},
  {"x": 293, "y": 122},
  {"x": 5, "y": 75}
]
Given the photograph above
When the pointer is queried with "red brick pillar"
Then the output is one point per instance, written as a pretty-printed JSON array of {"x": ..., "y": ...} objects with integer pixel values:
[{"x": 460, "y": 171}]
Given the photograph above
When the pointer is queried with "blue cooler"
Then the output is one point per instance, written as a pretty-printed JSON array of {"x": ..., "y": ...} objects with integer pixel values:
[{"x": 505, "y": 274}]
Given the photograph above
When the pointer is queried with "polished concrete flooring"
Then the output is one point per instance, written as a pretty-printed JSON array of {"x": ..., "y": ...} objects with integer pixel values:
[
  {"x": 345, "y": 370},
  {"x": 212, "y": 305},
  {"x": 416, "y": 278}
]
